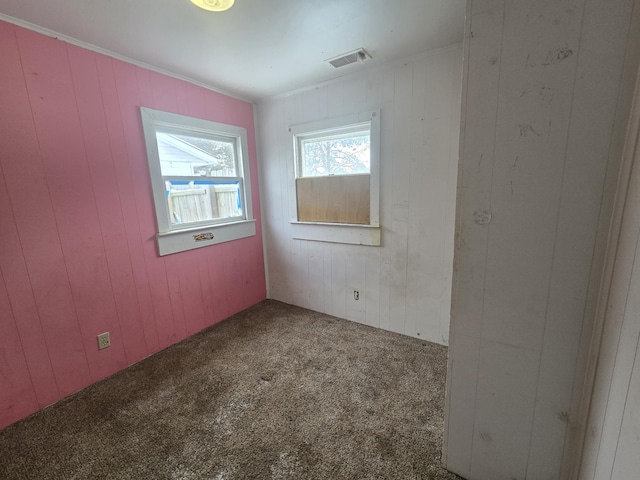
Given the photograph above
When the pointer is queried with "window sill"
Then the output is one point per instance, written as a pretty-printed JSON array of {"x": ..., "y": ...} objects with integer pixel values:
[
  {"x": 337, "y": 232},
  {"x": 182, "y": 240}
]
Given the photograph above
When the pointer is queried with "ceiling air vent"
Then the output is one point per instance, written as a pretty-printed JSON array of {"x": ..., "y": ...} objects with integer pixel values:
[{"x": 359, "y": 55}]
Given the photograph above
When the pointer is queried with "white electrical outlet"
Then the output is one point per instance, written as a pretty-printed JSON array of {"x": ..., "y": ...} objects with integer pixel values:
[
  {"x": 104, "y": 341},
  {"x": 356, "y": 295}
]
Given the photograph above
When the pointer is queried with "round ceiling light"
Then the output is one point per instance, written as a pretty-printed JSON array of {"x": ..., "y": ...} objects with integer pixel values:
[{"x": 214, "y": 5}]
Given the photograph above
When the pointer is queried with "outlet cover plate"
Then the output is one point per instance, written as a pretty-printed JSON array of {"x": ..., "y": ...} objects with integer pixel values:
[{"x": 104, "y": 341}]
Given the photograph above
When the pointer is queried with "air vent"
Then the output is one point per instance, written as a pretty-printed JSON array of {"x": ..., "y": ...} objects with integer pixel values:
[{"x": 359, "y": 55}]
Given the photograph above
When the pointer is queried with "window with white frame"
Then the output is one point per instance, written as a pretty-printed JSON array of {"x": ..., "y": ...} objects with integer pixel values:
[
  {"x": 200, "y": 180},
  {"x": 337, "y": 179}
]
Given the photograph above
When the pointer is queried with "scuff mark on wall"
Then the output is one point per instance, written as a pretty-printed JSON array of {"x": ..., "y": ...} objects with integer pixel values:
[
  {"x": 528, "y": 63},
  {"x": 485, "y": 437},
  {"x": 515, "y": 164},
  {"x": 482, "y": 217},
  {"x": 526, "y": 129},
  {"x": 564, "y": 417},
  {"x": 557, "y": 55},
  {"x": 539, "y": 17},
  {"x": 545, "y": 94}
]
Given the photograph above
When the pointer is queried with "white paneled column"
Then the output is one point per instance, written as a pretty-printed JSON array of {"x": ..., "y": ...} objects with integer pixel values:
[{"x": 544, "y": 102}]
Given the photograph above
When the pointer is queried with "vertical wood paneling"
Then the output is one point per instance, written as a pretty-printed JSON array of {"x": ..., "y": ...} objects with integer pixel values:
[
  {"x": 299, "y": 268},
  {"x": 404, "y": 283},
  {"x": 190, "y": 283},
  {"x": 72, "y": 197},
  {"x": 125, "y": 326},
  {"x": 612, "y": 443},
  {"x": 355, "y": 280},
  {"x": 190, "y": 286},
  {"x": 179, "y": 325},
  {"x": 371, "y": 292},
  {"x": 77, "y": 243},
  {"x": 542, "y": 86},
  {"x": 386, "y": 192},
  {"x": 400, "y": 196},
  {"x": 316, "y": 276},
  {"x": 137, "y": 273},
  {"x": 626, "y": 461},
  {"x": 500, "y": 446},
  {"x": 474, "y": 179},
  {"x": 373, "y": 280},
  {"x": 456, "y": 124},
  {"x": 583, "y": 174},
  {"x": 416, "y": 187},
  {"x": 15, "y": 381},
  {"x": 338, "y": 280},
  {"x": 462, "y": 383},
  {"x": 35, "y": 218},
  {"x": 219, "y": 298},
  {"x": 328, "y": 275},
  {"x": 155, "y": 277},
  {"x": 17, "y": 128}
]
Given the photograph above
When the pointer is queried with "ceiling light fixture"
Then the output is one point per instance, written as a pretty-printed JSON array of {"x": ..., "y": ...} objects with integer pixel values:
[{"x": 214, "y": 5}]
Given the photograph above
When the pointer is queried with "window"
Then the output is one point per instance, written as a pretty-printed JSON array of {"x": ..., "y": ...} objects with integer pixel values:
[
  {"x": 337, "y": 179},
  {"x": 344, "y": 152},
  {"x": 200, "y": 180}
]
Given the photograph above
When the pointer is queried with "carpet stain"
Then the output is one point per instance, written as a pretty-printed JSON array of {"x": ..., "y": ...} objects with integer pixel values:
[{"x": 385, "y": 445}]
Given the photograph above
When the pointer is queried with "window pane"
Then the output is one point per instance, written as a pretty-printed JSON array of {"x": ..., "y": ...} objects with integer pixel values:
[
  {"x": 199, "y": 201},
  {"x": 340, "y": 155},
  {"x": 183, "y": 155}
]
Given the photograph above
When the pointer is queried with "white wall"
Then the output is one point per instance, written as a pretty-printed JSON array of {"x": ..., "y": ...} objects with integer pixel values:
[
  {"x": 544, "y": 115},
  {"x": 613, "y": 440},
  {"x": 404, "y": 285}
]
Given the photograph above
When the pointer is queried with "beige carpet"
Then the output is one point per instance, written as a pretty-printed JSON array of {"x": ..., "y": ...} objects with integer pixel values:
[{"x": 274, "y": 392}]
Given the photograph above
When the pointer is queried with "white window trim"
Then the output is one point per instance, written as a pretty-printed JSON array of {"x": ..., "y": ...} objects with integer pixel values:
[
  {"x": 341, "y": 232},
  {"x": 172, "y": 239}
]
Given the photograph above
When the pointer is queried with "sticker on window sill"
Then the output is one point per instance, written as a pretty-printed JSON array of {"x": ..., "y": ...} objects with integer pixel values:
[{"x": 203, "y": 237}]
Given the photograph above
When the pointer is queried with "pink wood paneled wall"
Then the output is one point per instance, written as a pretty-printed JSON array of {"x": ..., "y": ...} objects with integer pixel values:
[{"x": 77, "y": 224}]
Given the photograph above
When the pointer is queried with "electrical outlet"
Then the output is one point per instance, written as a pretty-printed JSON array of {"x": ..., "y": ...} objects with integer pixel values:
[
  {"x": 356, "y": 295},
  {"x": 104, "y": 341}
]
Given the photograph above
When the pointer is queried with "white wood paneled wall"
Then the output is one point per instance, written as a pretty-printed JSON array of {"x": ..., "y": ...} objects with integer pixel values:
[
  {"x": 612, "y": 443},
  {"x": 544, "y": 114},
  {"x": 404, "y": 285}
]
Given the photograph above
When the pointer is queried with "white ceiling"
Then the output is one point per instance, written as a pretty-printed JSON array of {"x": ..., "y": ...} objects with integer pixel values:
[{"x": 259, "y": 48}]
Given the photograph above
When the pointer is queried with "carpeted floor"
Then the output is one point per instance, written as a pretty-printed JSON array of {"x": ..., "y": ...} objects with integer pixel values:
[{"x": 274, "y": 392}]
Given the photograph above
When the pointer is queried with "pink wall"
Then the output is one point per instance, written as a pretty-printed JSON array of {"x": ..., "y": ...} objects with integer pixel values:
[{"x": 77, "y": 224}]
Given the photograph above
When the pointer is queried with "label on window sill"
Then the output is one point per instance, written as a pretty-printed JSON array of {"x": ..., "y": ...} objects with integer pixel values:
[{"x": 203, "y": 237}]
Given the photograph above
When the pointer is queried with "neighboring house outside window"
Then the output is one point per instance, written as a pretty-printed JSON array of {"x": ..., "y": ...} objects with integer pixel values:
[{"x": 200, "y": 180}]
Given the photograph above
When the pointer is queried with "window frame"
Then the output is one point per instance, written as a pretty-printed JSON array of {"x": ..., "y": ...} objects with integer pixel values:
[
  {"x": 173, "y": 238},
  {"x": 358, "y": 234}
]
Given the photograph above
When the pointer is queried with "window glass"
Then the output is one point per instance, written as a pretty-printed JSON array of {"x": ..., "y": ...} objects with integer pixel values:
[
  {"x": 184, "y": 155},
  {"x": 202, "y": 200},
  {"x": 340, "y": 154},
  {"x": 190, "y": 200}
]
